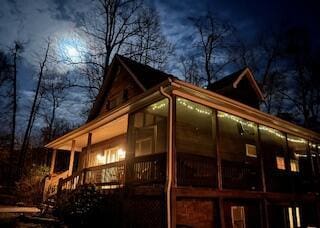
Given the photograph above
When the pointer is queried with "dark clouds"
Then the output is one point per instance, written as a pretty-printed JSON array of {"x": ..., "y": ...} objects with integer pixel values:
[{"x": 35, "y": 20}]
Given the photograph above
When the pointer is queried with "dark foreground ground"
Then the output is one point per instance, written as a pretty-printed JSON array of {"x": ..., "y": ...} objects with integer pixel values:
[{"x": 8, "y": 220}]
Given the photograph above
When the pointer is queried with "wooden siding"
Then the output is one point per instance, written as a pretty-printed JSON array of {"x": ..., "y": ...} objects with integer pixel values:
[{"x": 122, "y": 88}]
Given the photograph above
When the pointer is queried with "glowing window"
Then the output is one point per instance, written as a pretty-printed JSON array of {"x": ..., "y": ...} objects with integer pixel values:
[
  {"x": 294, "y": 165},
  {"x": 110, "y": 155},
  {"x": 144, "y": 146},
  {"x": 251, "y": 150},
  {"x": 238, "y": 217},
  {"x": 294, "y": 219},
  {"x": 280, "y": 163}
]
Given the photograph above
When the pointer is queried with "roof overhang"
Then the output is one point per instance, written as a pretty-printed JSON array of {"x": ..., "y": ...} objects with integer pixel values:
[
  {"x": 119, "y": 117},
  {"x": 108, "y": 125},
  {"x": 247, "y": 73},
  {"x": 231, "y": 106}
]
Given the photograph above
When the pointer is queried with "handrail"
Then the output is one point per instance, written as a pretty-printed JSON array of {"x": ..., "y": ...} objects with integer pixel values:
[
  {"x": 111, "y": 174},
  {"x": 108, "y": 165},
  {"x": 51, "y": 186}
]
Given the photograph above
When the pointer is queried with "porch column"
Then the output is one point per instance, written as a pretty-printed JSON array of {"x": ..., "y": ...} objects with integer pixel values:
[
  {"x": 53, "y": 161},
  {"x": 88, "y": 149},
  {"x": 73, "y": 145}
]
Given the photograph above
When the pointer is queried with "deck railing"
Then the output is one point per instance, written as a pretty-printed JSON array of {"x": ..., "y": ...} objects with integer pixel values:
[
  {"x": 106, "y": 176},
  {"x": 196, "y": 170},
  {"x": 236, "y": 175},
  {"x": 150, "y": 169},
  {"x": 52, "y": 184}
]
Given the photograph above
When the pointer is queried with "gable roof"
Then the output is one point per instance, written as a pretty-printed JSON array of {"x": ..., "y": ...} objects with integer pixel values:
[
  {"x": 145, "y": 76},
  {"x": 233, "y": 80}
]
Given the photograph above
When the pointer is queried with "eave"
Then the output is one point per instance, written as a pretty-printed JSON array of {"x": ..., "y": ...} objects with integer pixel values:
[
  {"x": 231, "y": 106},
  {"x": 147, "y": 97},
  {"x": 196, "y": 94}
]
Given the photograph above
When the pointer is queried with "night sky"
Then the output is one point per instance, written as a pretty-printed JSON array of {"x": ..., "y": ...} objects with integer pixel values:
[{"x": 32, "y": 21}]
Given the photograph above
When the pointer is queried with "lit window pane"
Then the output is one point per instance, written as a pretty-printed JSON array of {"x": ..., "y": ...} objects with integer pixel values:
[
  {"x": 298, "y": 154},
  {"x": 238, "y": 217},
  {"x": 294, "y": 165},
  {"x": 235, "y": 134},
  {"x": 195, "y": 128},
  {"x": 148, "y": 129},
  {"x": 298, "y": 217},
  {"x": 290, "y": 215},
  {"x": 280, "y": 163},
  {"x": 251, "y": 150}
]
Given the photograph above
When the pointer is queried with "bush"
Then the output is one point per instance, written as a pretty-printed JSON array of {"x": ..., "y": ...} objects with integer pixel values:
[
  {"x": 86, "y": 206},
  {"x": 30, "y": 187}
]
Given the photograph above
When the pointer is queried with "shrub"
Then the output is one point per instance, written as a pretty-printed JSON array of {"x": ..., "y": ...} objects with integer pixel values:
[
  {"x": 30, "y": 187},
  {"x": 86, "y": 206}
]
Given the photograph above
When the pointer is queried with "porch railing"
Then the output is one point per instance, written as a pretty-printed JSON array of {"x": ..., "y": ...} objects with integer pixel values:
[
  {"x": 240, "y": 176},
  {"x": 150, "y": 169},
  {"x": 105, "y": 176},
  {"x": 196, "y": 170},
  {"x": 52, "y": 183}
]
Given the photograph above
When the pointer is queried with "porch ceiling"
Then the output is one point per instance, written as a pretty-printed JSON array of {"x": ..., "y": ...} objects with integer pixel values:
[{"x": 101, "y": 133}]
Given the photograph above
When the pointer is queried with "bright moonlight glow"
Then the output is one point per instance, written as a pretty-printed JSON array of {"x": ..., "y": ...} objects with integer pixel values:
[
  {"x": 71, "y": 50},
  {"x": 72, "y": 53}
]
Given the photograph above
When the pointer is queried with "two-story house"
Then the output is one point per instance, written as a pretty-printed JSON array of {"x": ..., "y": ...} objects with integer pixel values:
[{"x": 193, "y": 157}]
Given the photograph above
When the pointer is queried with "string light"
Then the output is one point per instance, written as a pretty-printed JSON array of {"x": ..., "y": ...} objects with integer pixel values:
[
  {"x": 300, "y": 155},
  {"x": 236, "y": 119},
  {"x": 313, "y": 145},
  {"x": 186, "y": 103},
  {"x": 158, "y": 106},
  {"x": 271, "y": 131},
  {"x": 302, "y": 141}
]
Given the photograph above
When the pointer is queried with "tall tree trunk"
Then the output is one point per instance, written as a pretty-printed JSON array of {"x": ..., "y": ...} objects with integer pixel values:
[
  {"x": 27, "y": 134},
  {"x": 14, "y": 108}
]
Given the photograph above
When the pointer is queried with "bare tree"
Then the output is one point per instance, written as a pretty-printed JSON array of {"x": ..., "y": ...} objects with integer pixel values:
[
  {"x": 273, "y": 71},
  {"x": 5, "y": 71},
  {"x": 214, "y": 43},
  {"x": 108, "y": 26},
  {"x": 149, "y": 46},
  {"x": 53, "y": 92},
  {"x": 15, "y": 53},
  {"x": 304, "y": 93},
  {"x": 190, "y": 69},
  {"x": 5, "y": 106},
  {"x": 35, "y": 104}
]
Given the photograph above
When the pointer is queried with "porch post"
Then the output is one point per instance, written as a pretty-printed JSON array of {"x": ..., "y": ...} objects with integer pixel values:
[
  {"x": 73, "y": 145},
  {"x": 53, "y": 161},
  {"x": 88, "y": 149}
]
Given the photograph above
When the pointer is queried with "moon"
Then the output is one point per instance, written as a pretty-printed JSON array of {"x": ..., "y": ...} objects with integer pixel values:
[
  {"x": 71, "y": 49},
  {"x": 72, "y": 53}
]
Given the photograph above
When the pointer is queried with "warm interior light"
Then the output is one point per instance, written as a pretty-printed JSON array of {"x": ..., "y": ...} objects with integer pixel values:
[
  {"x": 121, "y": 154},
  {"x": 294, "y": 165},
  {"x": 101, "y": 159}
]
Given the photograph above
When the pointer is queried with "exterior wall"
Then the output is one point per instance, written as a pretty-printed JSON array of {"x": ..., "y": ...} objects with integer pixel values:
[
  {"x": 122, "y": 89},
  {"x": 195, "y": 213},
  {"x": 113, "y": 142},
  {"x": 254, "y": 167}
]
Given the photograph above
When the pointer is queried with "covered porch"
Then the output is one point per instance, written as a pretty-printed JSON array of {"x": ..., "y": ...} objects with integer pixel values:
[
  {"x": 127, "y": 149},
  {"x": 99, "y": 143}
]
